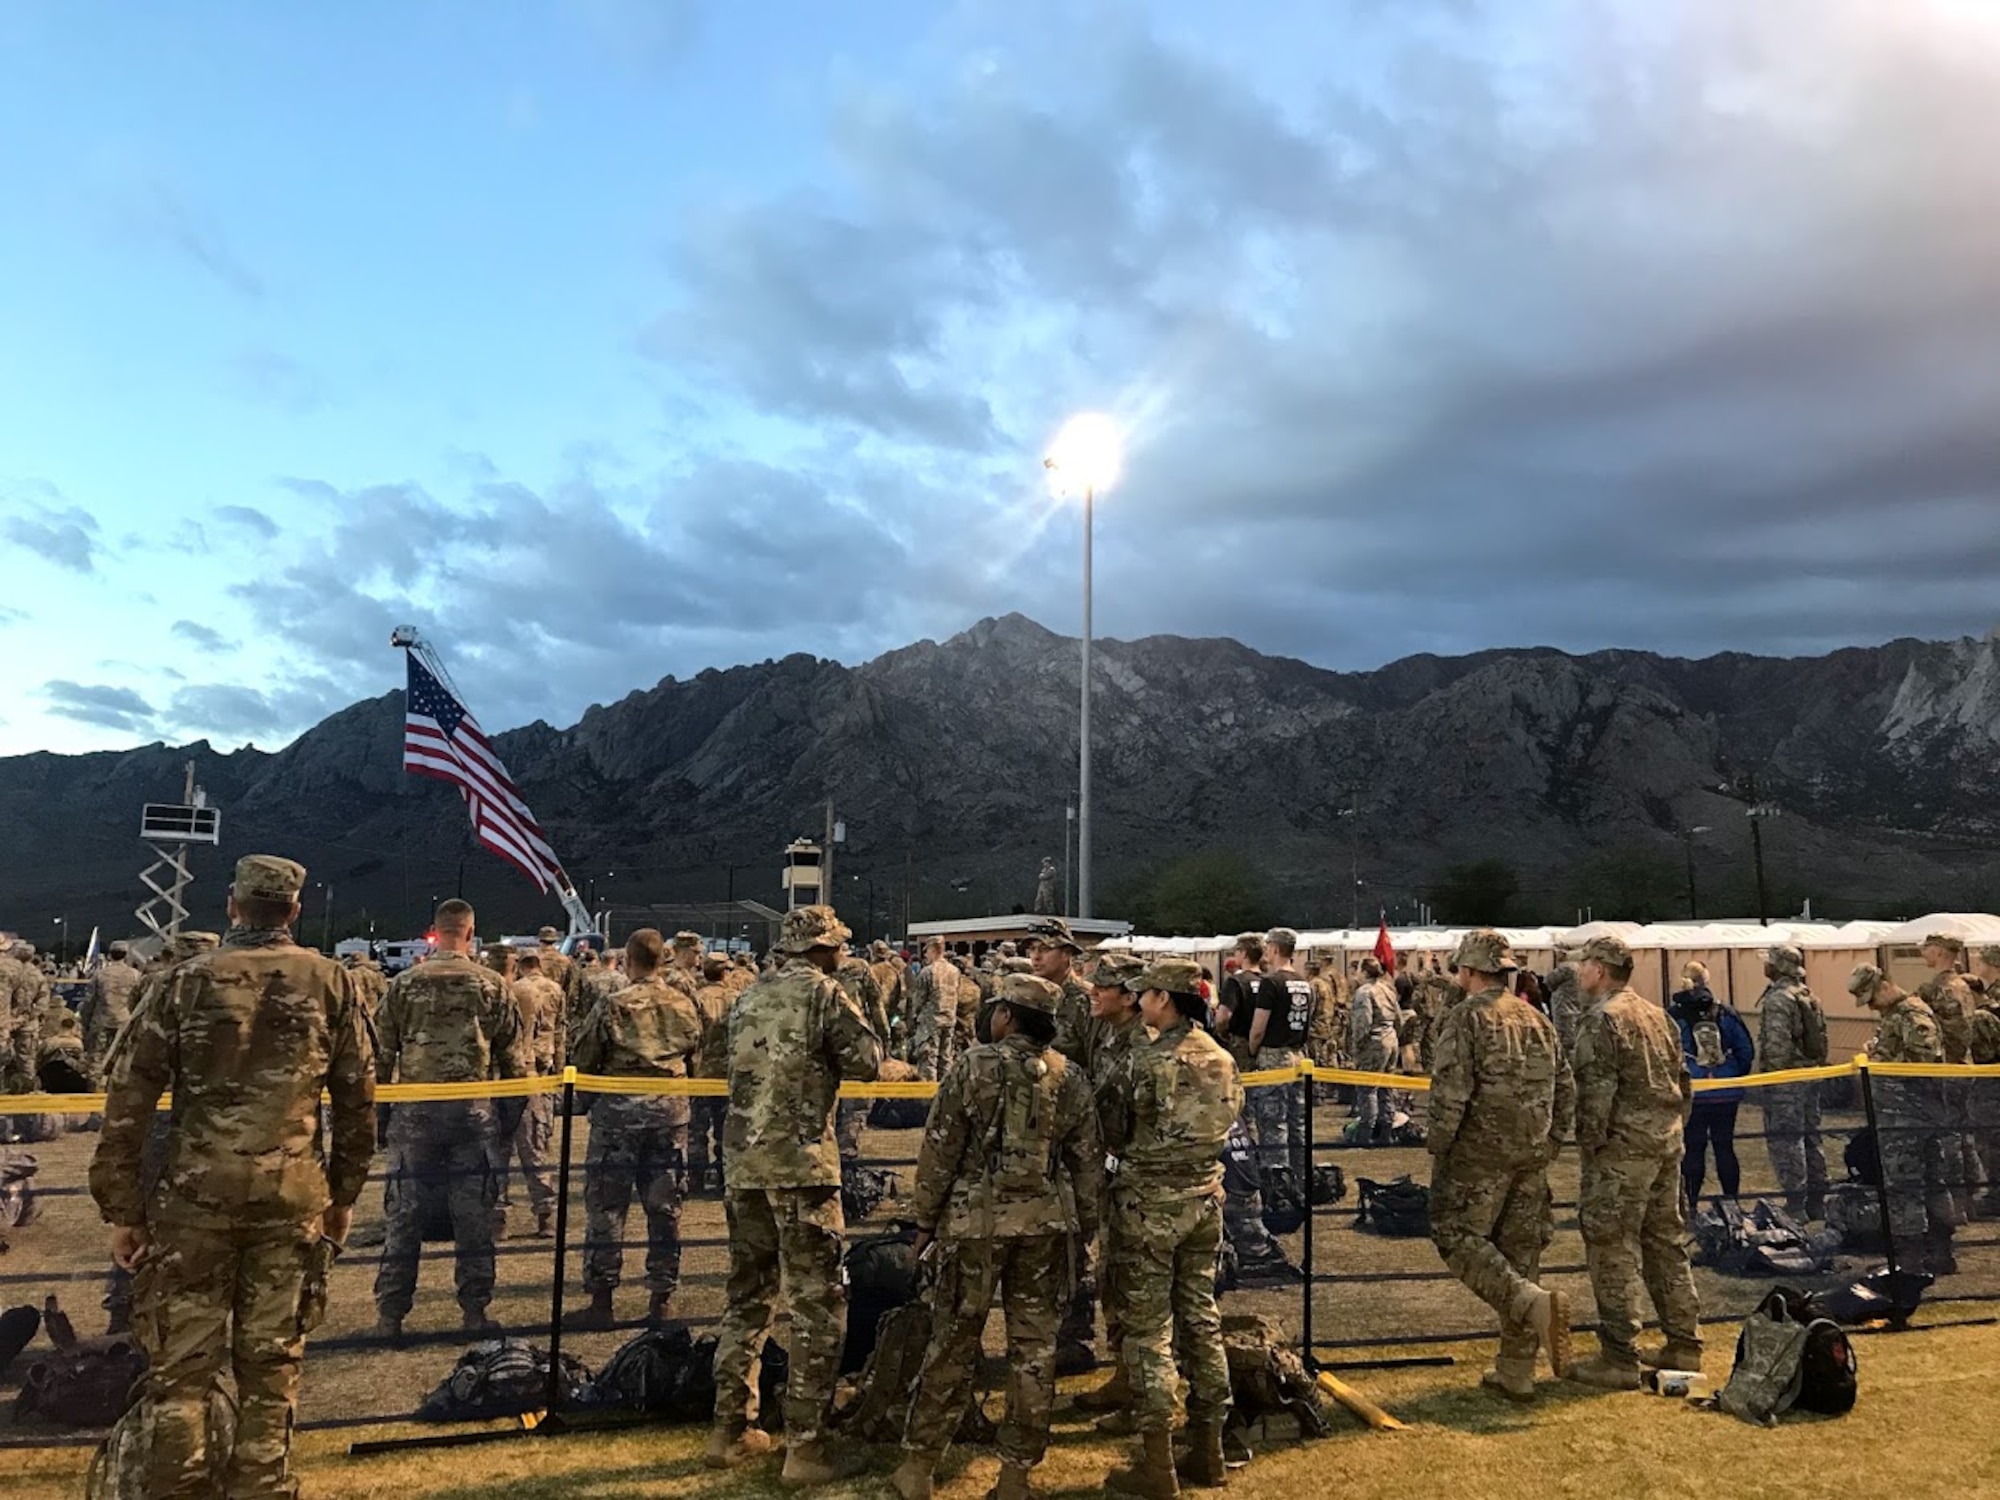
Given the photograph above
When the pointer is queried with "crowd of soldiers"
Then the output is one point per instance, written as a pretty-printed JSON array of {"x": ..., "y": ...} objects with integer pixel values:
[{"x": 1071, "y": 1161}]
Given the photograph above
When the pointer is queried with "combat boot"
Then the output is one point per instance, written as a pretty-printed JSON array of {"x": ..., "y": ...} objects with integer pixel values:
[
  {"x": 545, "y": 1224},
  {"x": 914, "y": 1477},
  {"x": 390, "y": 1330},
  {"x": 1547, "y": 1313},
  {"x": 1074, "y": 1357},
  {"x": 1607, "y": 1373},
  {"x": 809, "y": 1463},
  {"x": 594, "y": 1317},
  {"x": 1011, "y": 1485},
  {"x": 1512, "y": 1378},
  {"x": 1939, "y": 1258},
  {"x": 1200, "y": 1465},
  {"x": 120, "y": 1322},
  {"x": 474, "y": 1320},
  {"x": 1150, "y": 1475},
  {"x": 1114, "y": 1395},
  {"x": 731, "y": 1444},
  {"x": 1675, "y": 1354},
  {"x": 656, "y": 1310}
]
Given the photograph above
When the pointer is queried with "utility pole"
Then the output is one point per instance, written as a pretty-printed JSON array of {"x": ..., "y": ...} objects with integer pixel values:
[
  {"x": 1352, "y": 813},
  {"x": 326, "y": 922},
  {"x": 1688, "y": 836},
  {"x": 1069, "y": 830}
]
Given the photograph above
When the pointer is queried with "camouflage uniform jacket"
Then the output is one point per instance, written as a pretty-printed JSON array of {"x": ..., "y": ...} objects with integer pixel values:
[
  {"x": 107, "y": 1006},
  {"x": 556, "y": 965},
  {"x": 934, "y": 997},
  {"x": 370, "y": 985},
  {"x": 1326, "y": 1034},
  {"x": 711, "y": 1004},
  {"x": 1372, "y": 1016},
  {"x": 1983, "y": 1036},
  {"x": 449, "y": 1020},
  {"x": 27, "y": 996},
  {"x": 687, "y": 981},
  {"x": 1950, "y": 1000},
  {"x": 793, "y": 1036},
  {"x": 1011, "y": 1147},
  {"x": 1781, "y": 1027},
  {"x": 888, "y": 976},
  {"x": 1075, "y": 1030},
  {"x": 1908, "y": 1032},
  {"x": 1567, "y": 1003},
  {"x": 648, "y": 1029},
  {"x": 859, "y": 981},
  {"x": 540, "y": 1004},
  {"x": 1501, "y": 1094},
  {"x": 1632, "y": 1087},
  {"x": 1109, "y": 1042},
  {"x": 246, "y": 1037},
  {"x": 1166, "y": 1109},
  {"x": 10, "y": 1045}
]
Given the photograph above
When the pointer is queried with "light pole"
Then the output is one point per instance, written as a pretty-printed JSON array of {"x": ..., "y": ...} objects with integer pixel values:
[
  {"x": 1352, "y": 813},
  {"x": 1084, "y": 458},
  {"x": 1069, "y": 832},
  {"x": 1688, "y": 836},
  {"x": 62, "y": 953}
]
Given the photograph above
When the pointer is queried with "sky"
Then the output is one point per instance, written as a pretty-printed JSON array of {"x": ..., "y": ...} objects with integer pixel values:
[{"x": 612, "y": 339}]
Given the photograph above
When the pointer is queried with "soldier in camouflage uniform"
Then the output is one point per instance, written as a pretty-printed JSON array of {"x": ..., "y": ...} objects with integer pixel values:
[
  {"x": 1372, "y": 1042},
  {"x": 107, "y": 1006},
  {"x": 649, "y": 1029},
  {"x": 888, "y": 978},
  {"x": 1116, "y": 1030},
  {"x": 1500, "y": 1099},
  {"x": 1791, "y": 1027},
  {"x": 28, "y": 998},
  {"x": 1567, "y": 1001},
  {"x": 245, "y": 1038},
  {"x": 1010, "y": 1174},
  {"x": 1327, "y": 1035},
  {"x": 447, "y": 1020},
  {"x": 1983, "y": 1042},
  {"x": 855, "y": 977},
  {"x": 370, "y": 984},
  {"x": 711, "y": 1002},
  {"x": 540, "y": 1004},
  {"x": 555, "y": 963},
  {"x": 1951, "y": 1000},
  {"x": 684, "y": 972},
  {"x": 793, "y": 1037},
  {"x": 1632, "y": 1095},
  {"x": 1914, "y": 1115},
  {"x": 1165, "y": 1110},
  {"x": 933, "y": 1018},
  {"x": 1053, "y": 952}
]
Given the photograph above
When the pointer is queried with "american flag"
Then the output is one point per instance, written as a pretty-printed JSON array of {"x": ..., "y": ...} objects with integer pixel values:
[{"x": 442, "y": 739}]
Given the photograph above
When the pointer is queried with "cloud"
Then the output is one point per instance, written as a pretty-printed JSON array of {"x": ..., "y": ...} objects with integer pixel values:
[
  {"x": 273, "y": 379},
  {"x": 231, "y": 710},
  {"x": 104, "y": 706},
  {"x": 248, "y": 518},
  {"x": 155, "y": 211},
  {"x": 201, "y": 637},
  {"x": 67, "y": 537},
  {"x": 12, "y": 616}
]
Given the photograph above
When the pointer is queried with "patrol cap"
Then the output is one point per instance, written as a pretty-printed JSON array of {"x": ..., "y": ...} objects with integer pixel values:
[
  {"x": 714, "y": 965},
  {"x": 529, "y": 958},
  {"x": 687, "y": 940},
  {"x": 1054, "y": 932},
  {"x": 119, "y": 950},
  {"x": 268, "y": 877},
  {"x": 1026, "y": 992},
  {"x": 1177, "y": 976},
  {"x": 1990, "y": 955},
  {"x": 1609, "y": 951},
  {"x": 1485, "y": 952},
  {"x": 187, "y": 944},
  {"x": 1786, "y": 959},
  {"x": 1015, "y": 965},
  {"x": 1116, "y": 970},
  {"x": 1945, "y": 941},
  {"x": 878, "y": 949},
  {"x": 1864, "y": 981},
  {"x": 548, "y": 935},
  {"x": 808, "y": 927}
]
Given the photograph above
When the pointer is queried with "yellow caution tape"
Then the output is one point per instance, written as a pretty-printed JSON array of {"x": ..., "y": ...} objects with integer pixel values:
[
  {"x": 1774, "y": 1080},
  {"x": 1931, "y": 1070},
  {"x": 1323, "y": 1074}
]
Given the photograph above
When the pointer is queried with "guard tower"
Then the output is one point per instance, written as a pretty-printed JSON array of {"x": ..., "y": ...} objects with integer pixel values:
[
  {"x": 170, "y": 829},
  {"x": 805, "y": 874}
]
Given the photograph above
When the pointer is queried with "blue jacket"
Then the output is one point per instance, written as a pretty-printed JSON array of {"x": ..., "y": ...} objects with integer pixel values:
[{"x": 1739, "y": 1052}]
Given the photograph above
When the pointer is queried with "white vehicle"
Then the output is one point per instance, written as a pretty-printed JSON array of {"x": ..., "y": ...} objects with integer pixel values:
[
  {"x": 353, "y": 947},
  {"x": 398, "y": 956}
]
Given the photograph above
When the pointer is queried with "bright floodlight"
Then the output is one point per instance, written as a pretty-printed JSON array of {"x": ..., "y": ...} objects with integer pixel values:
[{"x": 1086, "y": 455}]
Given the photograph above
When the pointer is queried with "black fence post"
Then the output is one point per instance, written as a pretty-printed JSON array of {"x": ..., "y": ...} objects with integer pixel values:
[
  {"x": 554, "y": 1396},
  {"x": 1306, "y": 1248},
  {"x": 1881, "y": 1176}
]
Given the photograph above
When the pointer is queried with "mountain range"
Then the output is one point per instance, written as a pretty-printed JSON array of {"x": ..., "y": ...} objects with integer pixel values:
[{"x": 1337, "y": 794}]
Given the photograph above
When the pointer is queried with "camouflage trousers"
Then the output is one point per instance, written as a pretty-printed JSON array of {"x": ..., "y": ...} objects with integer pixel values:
[
  {"x": 638, "y": 1148},
  {"x": 1633, "y": 1231},
  {"x": 789, "y": 1241},
  {"x": 1167, "y": 1240},
  {"x": 933, "y": 1050},
  {"x": 849, "y": 1118},
  {"x": 533, "y": 1147},
  {"x": 1792, "y": 1137},
  {"x": 1985, "y": 1112},
  {"x": 1278, "y": 1113},
  {"x": 448, "y": 1148},
  {"x": 206, "y": 1299},
  {"x": 705, "y": 1147},
  {"x": 1030, "y": 1276},
  {"x": 1922, "y": 1162},
  {"x": 1491, "y": 1224}
]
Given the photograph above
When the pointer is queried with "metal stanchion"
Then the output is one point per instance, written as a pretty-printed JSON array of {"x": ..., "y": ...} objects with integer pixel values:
[
  {"x": 1881, "y": 1178},
  {"x": 554, "y": 1399},
  {"x": 1306, "y": 1248}
]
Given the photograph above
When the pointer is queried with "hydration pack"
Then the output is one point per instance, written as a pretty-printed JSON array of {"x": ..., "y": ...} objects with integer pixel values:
[
  {"x": 122, "y": 1466},
  {"x": 1785, "y": 1358},
  {"x": 865, "y": 1189},
  {"x": 665, "y": 1371},
  {"x": 1400, "y": 1209},
  {"x": 1268, "y": 1377},
  {"x": 882, "y": 1276},
  {"x": 84, "y": 1382}
]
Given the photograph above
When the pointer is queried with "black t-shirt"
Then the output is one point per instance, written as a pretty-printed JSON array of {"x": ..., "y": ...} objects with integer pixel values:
[
  {"x": 1288, "y": 996},
  {"x": 1239, "y": 996}
]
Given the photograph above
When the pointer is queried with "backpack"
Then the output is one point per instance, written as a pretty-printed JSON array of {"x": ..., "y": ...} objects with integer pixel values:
[
  {"x": 878, "y": 1406},
  {"x": 121, "y": 1468},
  {"x": 18, "y": 1208},
  {"x": 1708, "y": 1049},
  {"x": 1785, "y": 1358},
  {"x": 501, "y": 1378},
  {"x": 1864, "y": 1164},
  {"x": 84, "y": 1382},
  {"x": 1329, "y": 1185},
  {"x": 882, "y": 1275},
  {"x": 1284, "y": 1208},
  {"x": 1855, "y": 1214},
  {"x": 865, "y": 1189},
  {"x": 899, "y": 1114},
  {"x": 1812, "y": 1032},
  {"x": 1267, "y": 1377},
  {"x": 665, "y": 1371},
  {"x": 1766, "y": 1242},
  {"x": 18, "y": 1327},
  {"x": 1400, "y": 1209}
]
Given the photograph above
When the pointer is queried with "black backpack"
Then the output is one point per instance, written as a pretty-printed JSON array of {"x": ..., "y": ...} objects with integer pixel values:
[
  {"x": 1284, "y": 1208},
  {"x": 1400, "y": 1209},
  {"x": 899, "y": 1114}
]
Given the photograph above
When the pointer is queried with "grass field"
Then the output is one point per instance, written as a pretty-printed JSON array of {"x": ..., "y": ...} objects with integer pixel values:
[{"x": 1930, "y": 1403}]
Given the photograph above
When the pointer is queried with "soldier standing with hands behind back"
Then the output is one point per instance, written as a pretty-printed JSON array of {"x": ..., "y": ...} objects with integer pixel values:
[
  {"x": 232, "y": 1250},
  {"x": 1792, "y": 1034}
]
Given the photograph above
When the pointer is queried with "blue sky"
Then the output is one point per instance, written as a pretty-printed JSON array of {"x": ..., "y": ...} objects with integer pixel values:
[{"x": 608, "y": 339}]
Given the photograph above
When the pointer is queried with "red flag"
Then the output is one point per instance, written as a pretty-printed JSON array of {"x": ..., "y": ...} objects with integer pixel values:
[{"x": 1385, "y": 951}]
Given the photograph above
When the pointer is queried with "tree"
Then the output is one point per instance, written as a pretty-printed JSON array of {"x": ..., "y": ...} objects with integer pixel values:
[
  {"x": 1475, "y": 894},
  {"x": 1631, "y": 885},
  {"x": 1202, "y": 894}
]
